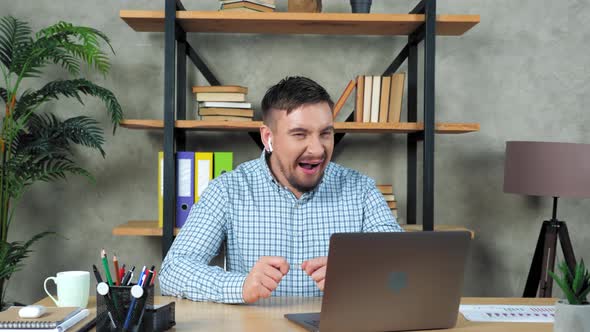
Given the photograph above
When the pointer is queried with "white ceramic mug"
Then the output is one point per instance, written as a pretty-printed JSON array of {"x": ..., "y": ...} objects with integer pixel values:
[{"x": 72, "y": 288}]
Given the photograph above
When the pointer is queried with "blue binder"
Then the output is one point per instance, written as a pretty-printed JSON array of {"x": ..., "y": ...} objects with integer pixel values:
[{"x": 185, "y": 188}]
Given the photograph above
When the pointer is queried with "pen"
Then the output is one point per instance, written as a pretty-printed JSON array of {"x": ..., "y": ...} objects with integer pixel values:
[
  {"x": 96, "y": 274},
  {"x": 105, "y": 264},
  {"x": 116, "y": 270},
  {"x": 141, "y": 275},
  {"x": 133, "y": 301},
  {"x": 148, "y": 279},
  {"x": 128, "y": 276},
  {"x": 122, "y": 274}
]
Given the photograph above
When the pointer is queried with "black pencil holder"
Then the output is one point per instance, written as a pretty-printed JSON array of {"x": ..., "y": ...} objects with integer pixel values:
[{"x": 112, "y": 309}]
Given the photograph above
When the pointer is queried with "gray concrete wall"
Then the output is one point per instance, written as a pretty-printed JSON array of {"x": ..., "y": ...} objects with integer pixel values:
[{"x": 521, "y": 73}]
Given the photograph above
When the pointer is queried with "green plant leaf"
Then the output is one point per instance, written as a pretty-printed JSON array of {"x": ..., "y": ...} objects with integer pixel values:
[
  {"x": 13, "y": 253},
  {"x": 566, "y": 272},
  {"x": 578, "y": 278},
  {"x": 71, "y": 89},
  {"x": 567, "y": 291},
  {"x": 4, "y": 95},
  {"x": 13, "y": 35}
]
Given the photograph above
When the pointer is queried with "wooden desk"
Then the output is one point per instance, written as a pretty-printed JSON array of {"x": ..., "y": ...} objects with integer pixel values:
[{"x": 267, "y": 315}]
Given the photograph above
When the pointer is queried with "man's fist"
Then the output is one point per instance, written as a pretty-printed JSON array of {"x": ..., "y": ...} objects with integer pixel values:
[
  {"x": 316, "y": 269},
  {"x": 264, "y": 278}
]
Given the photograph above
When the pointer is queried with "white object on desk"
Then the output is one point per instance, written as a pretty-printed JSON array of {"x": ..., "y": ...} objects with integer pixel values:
[
  {"x": 31, "y": 311},
  {"x": 508, "y": 313}
]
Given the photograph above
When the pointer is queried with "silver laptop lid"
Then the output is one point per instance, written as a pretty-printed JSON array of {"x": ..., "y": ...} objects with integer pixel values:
[{"x": 393, "y": 281}]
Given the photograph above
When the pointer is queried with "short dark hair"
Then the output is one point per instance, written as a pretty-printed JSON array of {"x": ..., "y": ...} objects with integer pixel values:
[{"x": 291, "y": 93}]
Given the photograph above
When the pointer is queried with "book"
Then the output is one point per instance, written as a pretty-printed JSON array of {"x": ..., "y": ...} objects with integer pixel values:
[
  {"x": 367, "y": 99},
  {"x": 384, "y": 104},
  {"x": 226, "y": 111},
  {"x": 224, "y": 118},
  {"x": 246, "y": 4},
  {"x": 395, "y": 97},
  {"x": 343, "y": 98},
  {"x": 54, "y": 319},
  {"x": 239, "y": 9},
  {"x": 220, "y": 96},
  {"x": 224, "y": 104},
  {"x": 392, "y": 205},
  {"x": 220, "y": 88},
  {"x": 360, "y": 93},
  {"x": 375, "y": 98},
  {"x": 389, "y": 197},
  {"x": 385, "y": 188},
  {"x": 268, "y": 4}
]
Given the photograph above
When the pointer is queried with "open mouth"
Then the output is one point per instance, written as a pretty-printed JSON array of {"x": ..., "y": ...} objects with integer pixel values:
[{"x": 310, "y": 167}]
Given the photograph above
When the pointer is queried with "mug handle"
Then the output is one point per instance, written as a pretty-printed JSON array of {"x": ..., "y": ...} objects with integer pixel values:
[{"x": 46, "y": 291}]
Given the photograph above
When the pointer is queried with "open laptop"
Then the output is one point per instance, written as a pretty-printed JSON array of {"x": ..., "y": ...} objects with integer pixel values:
[{"x": 391, "y": 282}]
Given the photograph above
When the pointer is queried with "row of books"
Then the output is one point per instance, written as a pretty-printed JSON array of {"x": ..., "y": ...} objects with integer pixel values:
[
  {"x": 378, "y": 98},
  {"x": 223, "y": 103},
  {"x": 194, "y": 171},
  {"x": 248, "y": 5},
  {"x": 387, "y": 191}
]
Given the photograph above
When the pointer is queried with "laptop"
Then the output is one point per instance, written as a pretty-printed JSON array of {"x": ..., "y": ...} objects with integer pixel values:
[{"x": 391, "y": 282}]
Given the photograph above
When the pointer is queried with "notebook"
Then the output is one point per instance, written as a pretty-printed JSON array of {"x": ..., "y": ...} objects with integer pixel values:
[{"x": 53, "y": 318}]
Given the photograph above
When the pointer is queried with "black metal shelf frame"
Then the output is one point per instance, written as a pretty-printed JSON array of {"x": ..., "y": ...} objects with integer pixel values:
[{"x": 177, "y": 49}]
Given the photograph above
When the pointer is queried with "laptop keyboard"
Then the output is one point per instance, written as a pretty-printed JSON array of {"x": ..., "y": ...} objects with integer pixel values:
[{"x": 314, "y": 323}]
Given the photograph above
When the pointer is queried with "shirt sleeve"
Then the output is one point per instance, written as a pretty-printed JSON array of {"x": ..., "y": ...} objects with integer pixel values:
[
  {"x": 185, "y": 271},
  {"x": 377, "y": 216}
]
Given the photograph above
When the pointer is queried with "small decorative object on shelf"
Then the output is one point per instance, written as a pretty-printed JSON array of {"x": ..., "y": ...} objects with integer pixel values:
[
  {"x": 361, "y": 6},
  {"x": 572, "y": 314},
  {"x": 305, "y": 6}
]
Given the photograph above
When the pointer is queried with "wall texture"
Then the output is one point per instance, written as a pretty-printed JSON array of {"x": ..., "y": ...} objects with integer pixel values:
[{"x": 521, "y": 73}]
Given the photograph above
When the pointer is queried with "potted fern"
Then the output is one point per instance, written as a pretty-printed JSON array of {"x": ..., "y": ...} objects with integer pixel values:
[
  {"x": 37, "y": 146},
  {"x": 572, "y": 314}
]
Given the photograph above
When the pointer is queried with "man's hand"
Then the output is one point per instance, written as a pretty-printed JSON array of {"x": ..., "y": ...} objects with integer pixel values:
[
  {"x": 316, "y": 269},
  {"x": 264, "y": 278}
]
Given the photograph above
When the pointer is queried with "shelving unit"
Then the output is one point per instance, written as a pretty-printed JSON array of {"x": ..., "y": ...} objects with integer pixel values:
[
  {"x": 420, "y": 25},
  {"x": 339, "y": 127},
  {"x": 150, "y": 228}
]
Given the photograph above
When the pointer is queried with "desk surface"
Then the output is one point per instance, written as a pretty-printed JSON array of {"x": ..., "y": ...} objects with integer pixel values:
[{"x": 267, "y": 315}]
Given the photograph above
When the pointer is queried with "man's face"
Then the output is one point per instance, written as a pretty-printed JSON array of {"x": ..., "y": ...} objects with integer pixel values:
[{"x": 303, "y": 142}]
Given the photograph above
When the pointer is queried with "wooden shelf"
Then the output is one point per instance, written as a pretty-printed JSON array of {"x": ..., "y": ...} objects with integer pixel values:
[
  {"x": 298, "y": 23},
  {"x": 339, "y": 127},
  {"x": 150, "y": 228}
]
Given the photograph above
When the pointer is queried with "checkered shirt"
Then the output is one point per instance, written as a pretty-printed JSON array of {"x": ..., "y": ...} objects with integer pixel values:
[{"x": 259, "y": 217}]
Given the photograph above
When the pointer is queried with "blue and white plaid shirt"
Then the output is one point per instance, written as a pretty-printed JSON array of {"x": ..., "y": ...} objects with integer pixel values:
[{"x": 260, "y": 217}]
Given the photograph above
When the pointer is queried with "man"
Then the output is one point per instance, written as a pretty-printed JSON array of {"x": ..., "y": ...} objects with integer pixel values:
[{"x": 276, "y": 212}]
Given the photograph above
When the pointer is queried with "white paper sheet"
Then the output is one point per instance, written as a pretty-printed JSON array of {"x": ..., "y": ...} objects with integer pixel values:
[{"x": 508, "y": 313}]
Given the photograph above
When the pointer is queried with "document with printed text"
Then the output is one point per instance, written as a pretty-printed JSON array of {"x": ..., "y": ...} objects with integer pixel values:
[{"x": 508, "y": 313}]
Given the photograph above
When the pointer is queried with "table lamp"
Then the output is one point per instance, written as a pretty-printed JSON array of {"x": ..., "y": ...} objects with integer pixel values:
[{"x": 547, "y": 169}]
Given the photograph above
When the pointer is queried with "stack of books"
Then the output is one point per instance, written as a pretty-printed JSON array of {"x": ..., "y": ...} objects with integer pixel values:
[
  {"x": 223, "y": 103},
  {"x": 248, "y": 5},
  {"x": 387, "y": 191}
]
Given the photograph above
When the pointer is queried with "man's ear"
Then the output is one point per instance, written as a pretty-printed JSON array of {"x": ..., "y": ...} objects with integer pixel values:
[{"x": 266, "y": 136}]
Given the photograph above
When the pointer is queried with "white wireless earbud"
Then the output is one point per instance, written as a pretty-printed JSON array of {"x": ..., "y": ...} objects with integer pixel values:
[{"x": 269, "y": 144}]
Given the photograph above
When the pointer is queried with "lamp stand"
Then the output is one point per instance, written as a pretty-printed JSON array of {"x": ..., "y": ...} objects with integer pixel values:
[{"x": 539, "y": 281}]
